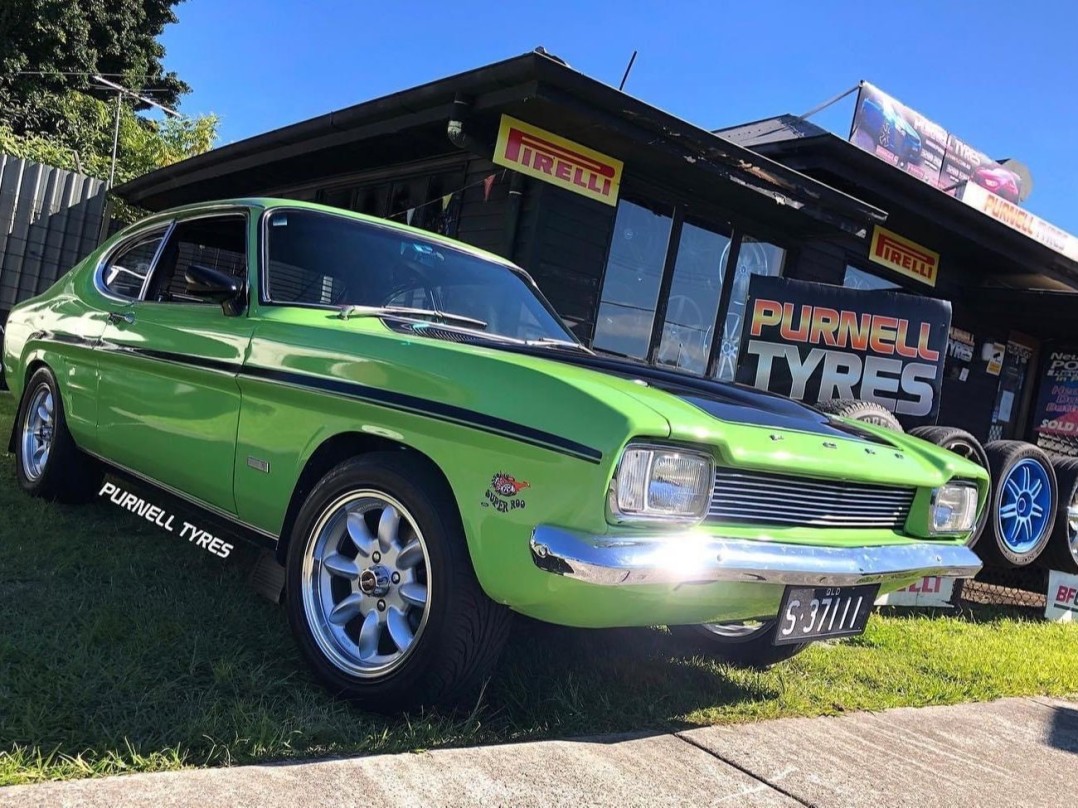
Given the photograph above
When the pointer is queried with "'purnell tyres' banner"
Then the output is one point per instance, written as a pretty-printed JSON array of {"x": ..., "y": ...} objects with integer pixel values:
[{"x": 815, "y": 342}]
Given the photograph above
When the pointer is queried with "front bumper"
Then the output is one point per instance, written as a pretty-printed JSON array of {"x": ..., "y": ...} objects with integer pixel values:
[{"x": 692, "y": 558}]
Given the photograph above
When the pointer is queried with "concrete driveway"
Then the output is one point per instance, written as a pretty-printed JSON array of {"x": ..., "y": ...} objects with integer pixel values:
[{"x": 1004, "y": 753}]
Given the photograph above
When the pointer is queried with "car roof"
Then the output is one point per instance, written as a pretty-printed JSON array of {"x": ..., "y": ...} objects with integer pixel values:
[{"x": 271, "y": 203}]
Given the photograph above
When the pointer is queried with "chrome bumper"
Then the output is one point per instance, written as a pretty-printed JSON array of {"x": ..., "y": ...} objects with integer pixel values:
[{"x": 692, "y": 558}]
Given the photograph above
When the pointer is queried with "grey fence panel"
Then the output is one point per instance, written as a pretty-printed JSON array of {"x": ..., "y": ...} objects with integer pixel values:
[{"x": 49, "y": 220}]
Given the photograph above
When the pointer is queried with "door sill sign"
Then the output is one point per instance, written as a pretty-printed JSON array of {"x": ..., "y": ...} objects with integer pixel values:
[
  {"x": 157, "y": 515},
  {"x": 550, "y": 158}
]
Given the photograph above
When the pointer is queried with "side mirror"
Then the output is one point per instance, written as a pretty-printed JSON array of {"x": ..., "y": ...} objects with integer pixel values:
[{"x": 212, "y": 284}]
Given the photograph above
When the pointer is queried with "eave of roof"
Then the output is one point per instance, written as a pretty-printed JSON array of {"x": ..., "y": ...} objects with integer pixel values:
[
  {"x": 530, "y": 75},
  {"x": 809, "y": 148}
]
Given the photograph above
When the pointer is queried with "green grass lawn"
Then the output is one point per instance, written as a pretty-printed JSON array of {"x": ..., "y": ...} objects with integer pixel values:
[{"x": 124, "y": 648}]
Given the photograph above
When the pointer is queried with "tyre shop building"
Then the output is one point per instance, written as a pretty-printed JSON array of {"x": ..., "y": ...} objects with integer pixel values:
[{"x": 645, "y": 231}]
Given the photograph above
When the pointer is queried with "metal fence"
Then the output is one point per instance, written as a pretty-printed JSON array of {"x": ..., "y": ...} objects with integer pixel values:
[{"x": 49, "y": 220}]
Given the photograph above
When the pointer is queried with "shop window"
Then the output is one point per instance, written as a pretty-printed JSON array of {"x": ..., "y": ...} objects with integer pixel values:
[
  {"x": 754, "y": 258},
  {"x": 861, "y": 279},
  {"x": 427, "y": 201},
  {"x": 693, "y": 303},
  {"x": 631, "y": 282}
]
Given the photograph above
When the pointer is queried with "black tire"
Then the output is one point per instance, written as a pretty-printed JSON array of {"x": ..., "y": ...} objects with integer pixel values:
[
  {"x": 1003, "y": 458},
  {"x": 66, "y": 474},
  {"x": 1062, "y": 551},
  {"x": 965, "y": 445},
  {"x": 868, "y": 412},
  {"x": 755, "y": 650},
  {"x": 457, "y": 646}
]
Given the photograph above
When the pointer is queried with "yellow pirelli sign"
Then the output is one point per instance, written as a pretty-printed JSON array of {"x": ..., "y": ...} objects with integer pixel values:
[
  {"x": 904, "y": 256},
  {"x": 545, "y": 156}
]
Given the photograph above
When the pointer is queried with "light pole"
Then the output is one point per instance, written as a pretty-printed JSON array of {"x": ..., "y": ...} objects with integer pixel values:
[{"x": 121, "y": 91}]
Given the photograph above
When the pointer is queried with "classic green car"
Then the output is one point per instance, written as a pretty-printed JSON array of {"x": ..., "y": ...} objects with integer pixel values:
[{"x": 429, "y": 449}]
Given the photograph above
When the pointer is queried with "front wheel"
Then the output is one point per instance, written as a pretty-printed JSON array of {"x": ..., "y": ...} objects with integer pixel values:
[
  {"x": 747, "y": 644},
  {"x": 380, "y": 590}
]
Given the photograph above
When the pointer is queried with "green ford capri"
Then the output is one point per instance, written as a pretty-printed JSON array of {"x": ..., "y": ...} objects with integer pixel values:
[{"x": 429, "y": 449}]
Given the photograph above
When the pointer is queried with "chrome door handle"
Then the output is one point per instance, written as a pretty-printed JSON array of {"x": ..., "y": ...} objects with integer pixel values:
[{"x": 121, "y": 317}]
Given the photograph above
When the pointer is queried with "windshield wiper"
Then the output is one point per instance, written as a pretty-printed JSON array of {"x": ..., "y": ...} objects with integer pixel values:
[
  {"x": 404, "y": 311},
  {"x": 552, "y": 342}
]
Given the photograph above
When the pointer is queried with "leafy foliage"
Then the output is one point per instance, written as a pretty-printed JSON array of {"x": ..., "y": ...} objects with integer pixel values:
[
  {"x": 51, "y": 113},
  {"x": 48, "y": 46}
]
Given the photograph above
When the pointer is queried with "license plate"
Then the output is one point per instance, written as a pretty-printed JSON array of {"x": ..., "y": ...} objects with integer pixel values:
[{"x": 811, "y": 613}]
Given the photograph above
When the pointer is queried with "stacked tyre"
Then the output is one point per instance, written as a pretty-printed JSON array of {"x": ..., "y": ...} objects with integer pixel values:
[{"x": 1062, "y": 550}]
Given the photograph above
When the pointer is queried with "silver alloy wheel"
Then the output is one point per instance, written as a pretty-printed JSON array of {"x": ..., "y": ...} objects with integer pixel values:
[
  {"x": 366, "y": 583},
  {"x": 38, "y": 428},
  {"x": 740, "y": 630}
]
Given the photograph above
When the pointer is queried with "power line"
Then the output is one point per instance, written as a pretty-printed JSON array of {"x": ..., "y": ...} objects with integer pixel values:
[{"x": 78, "y": 73}]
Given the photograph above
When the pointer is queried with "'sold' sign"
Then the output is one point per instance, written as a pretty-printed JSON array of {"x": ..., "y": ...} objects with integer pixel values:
[
  {"x": 904, "y": 256},
  {"x": 814, "y": 342},
  {"x": 548, "y": 157}
]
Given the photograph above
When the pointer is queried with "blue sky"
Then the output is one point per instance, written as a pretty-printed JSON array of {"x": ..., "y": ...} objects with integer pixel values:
[{"x": 1000, "y": 75}]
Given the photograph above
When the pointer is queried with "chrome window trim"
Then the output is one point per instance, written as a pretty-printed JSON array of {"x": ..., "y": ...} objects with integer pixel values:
[{"x": 129, "y": 241}]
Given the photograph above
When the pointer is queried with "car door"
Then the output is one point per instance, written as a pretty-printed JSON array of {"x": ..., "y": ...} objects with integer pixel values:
[{"x": 169, "y": 399}]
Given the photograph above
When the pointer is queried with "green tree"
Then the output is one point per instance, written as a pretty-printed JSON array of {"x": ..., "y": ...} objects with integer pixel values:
[
  {"x": 82, "y": 140},
  {"x": 49, "y": 47}
]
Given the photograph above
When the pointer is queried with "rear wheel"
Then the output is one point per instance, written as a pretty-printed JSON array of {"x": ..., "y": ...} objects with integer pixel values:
[
  {"x": 747, "y": 644},
  {"x": 48, "y": 464},
  {"x": 1023, "y": 506},
  {"x": 380, "y": 591}
]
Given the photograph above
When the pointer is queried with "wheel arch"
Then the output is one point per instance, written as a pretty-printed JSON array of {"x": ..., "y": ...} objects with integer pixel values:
[
  {"x": 333, "y": 451},
  {"x": 31, "y": 368}
]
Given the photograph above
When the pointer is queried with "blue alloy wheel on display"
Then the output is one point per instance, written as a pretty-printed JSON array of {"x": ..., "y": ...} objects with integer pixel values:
[{"x": 1025, "y": 510}]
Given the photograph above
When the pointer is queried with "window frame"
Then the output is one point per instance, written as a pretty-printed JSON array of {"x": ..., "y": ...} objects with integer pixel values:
[
  {"x": 121, "y": 246},
  {"x": 736, "y": 229},
  {"x": 218, "y": 213}
]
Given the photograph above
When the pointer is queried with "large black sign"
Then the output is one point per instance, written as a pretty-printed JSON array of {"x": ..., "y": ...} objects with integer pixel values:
[{"x": 815, "y": 342}]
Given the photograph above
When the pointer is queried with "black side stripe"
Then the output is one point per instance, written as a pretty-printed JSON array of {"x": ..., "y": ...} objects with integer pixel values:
[
  {"x": 431, "y": 409},
  {"x": 383, "y": 398}
]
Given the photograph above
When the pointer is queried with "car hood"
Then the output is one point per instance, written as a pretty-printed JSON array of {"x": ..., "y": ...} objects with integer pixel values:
[{"x": 762, "y": 430}]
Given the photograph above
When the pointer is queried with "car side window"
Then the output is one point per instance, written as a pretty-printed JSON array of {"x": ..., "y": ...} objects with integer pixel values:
[
  {"x": 219, "y": 242},
  {"x": 126, "y": 271}
]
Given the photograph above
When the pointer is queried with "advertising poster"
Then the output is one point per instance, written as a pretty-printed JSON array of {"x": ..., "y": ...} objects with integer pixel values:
[
  {"x": 816, "y": 342},
  {"x": 900, "y": 135},
  {"x": 1055, "y": 418},
  {"x": 922, "y": 148}
]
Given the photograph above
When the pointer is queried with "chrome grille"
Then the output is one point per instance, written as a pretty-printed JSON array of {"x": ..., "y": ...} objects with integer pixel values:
[{"x": 758, "y": 498}]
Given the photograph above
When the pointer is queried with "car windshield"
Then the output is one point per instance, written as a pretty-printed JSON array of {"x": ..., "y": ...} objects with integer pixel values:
[{"x": 324, "y": 259}]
